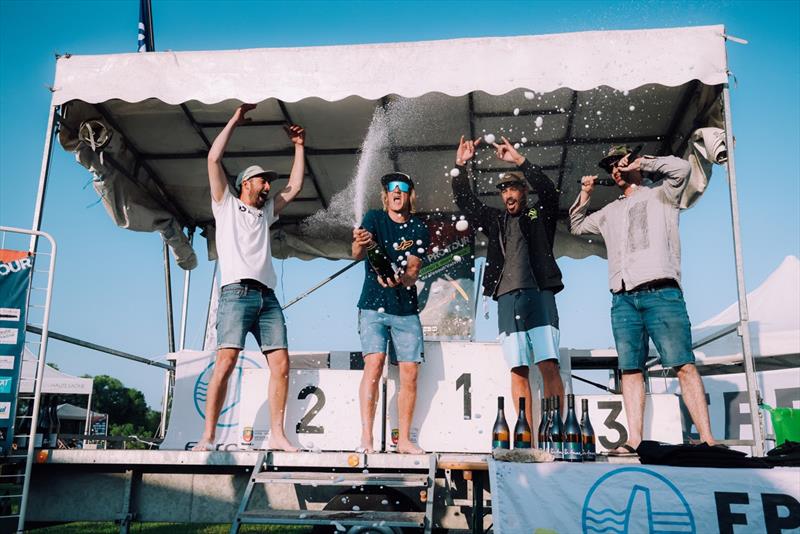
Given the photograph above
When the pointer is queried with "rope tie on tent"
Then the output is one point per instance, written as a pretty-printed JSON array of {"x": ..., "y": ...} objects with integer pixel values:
[{"x": 95, "y": 134}]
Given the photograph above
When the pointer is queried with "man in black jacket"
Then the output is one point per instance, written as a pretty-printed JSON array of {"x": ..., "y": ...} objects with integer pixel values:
[{"x": 521, "y": 271}]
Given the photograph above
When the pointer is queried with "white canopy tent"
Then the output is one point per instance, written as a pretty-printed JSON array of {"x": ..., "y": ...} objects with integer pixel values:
[
  {"x": 55, "y": 381},
  {"x": 774, "y": 326},
  {"x": 574, "y": 95}
]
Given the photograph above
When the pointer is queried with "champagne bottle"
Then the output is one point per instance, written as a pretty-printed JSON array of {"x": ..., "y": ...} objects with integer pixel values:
[
  {"x": 500, "y": 432},
  {"x": 547, "y": 423},
  {"x": 540, "y": 437},
  {"x": 522, "y": 430},
  {"x": 587, "y": 432},
  {"x": 556, "y": 432},
  {"x": 572, "y": 433},
  {"x": 379, "y": 261}
]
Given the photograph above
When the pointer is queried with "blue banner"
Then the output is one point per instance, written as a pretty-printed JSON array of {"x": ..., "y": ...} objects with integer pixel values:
[{"x": 15, "y": 275}]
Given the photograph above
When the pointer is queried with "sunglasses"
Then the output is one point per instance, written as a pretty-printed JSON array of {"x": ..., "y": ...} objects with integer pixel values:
[{"x": 403, "y": 186}]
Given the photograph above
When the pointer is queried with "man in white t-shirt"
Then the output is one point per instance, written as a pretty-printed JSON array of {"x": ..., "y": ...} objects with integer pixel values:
[{"x": 247, "y": 300}]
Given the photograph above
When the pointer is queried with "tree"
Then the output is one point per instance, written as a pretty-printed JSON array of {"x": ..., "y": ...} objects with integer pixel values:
[{"x": 126, "y": 408}]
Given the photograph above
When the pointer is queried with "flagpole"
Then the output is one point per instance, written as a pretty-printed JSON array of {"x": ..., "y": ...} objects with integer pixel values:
[{"x": 146, "y": 36}]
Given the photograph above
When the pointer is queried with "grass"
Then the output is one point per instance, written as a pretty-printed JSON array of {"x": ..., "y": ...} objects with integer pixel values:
[{"x": 85, "y": 527}]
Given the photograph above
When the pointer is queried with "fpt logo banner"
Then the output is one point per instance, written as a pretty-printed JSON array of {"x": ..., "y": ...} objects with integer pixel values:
[
  {"x": 15, "y": 275},
  {"x": 602, "y": 498}
]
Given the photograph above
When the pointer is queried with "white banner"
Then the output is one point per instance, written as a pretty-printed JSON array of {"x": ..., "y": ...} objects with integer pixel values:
[
  {"x": 606, "y": 498},
  {"x": 187, "y": 417}
]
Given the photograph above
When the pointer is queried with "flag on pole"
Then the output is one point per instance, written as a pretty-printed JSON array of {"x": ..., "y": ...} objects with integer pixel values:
[{"x": 145, "y": 38}]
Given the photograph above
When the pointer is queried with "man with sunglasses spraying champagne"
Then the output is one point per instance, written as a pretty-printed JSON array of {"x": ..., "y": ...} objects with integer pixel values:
[
  {"x": 388, "y": 308},
  {"x": 247, "y": 302}
]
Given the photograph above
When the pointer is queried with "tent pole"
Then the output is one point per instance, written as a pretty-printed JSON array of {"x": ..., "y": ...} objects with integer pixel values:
[
  {"x": 44, "y": 173},
  {"x": 168, "y": 288},
  {"x": 753, "y": 395},
  {"x": 86, "y": 427},
  {"x": 170, "y": 339},
  {"x": 187, "y": 276}
]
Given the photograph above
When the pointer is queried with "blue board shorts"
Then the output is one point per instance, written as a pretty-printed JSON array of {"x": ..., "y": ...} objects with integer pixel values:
[
  {"x": 528, "y": 323},
  {"x": 250, "y": 307},
  {"x": 659, "y": 314},
  {"x": 376, "y": 329}
]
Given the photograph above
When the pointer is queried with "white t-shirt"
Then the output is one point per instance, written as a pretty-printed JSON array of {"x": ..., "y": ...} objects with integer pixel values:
[{"x": 243, "y": 242}]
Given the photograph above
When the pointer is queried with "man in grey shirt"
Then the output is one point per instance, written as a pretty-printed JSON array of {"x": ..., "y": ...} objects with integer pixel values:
[{"x": 640, "y": 230}]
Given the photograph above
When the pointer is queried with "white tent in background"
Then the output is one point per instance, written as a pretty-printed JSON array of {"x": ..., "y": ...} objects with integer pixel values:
[
  {"x": 55, "y": 381},
  {"x": 774, "y": 326}
]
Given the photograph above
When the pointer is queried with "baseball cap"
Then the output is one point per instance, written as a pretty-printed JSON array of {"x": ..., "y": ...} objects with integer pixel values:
[{"x": 251, "y": 172}]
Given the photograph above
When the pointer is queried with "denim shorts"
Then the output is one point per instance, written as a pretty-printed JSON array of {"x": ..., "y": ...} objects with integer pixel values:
[
  {"x": 659, "y": 314},
  {"x": 528, "y": 323},
  {"x": 405, "y": 331},
  {"x": 250, "y": 308}
]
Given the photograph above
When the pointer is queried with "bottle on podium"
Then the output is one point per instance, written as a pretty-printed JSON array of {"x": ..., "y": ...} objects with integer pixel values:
[
  {"x": 572, "y": 433},
  {"x": 557, "y": 432},
  {"x": 500, "y": 432},
  {"x": 587, "y": 432},
  {"x": 540, "y": 437},
  {"x": 522, "y": 430}
]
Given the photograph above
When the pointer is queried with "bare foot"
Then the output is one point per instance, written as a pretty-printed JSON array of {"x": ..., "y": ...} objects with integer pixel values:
[
  {"x": 365, "y": 447},
  {"x": 205, "y": 445},
  {"x": 281, "y": 444},
  {"x": 408, "y": 447}
]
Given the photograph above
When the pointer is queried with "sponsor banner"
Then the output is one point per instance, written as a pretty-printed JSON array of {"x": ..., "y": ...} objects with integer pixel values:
[
  {"x": 15, "y": 276},
  {"x": 187, "y": 416},
  {"x": 9, "y": 336},
  {"x": 615, "y": 498},
  {"x": 5, "y": 384},
  {"x": 9, "y": 314},
  {"x": 447, "y": 281}
]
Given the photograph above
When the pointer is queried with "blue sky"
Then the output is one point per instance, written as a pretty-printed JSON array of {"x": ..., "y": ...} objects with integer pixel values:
[{"x": 109, "y": 282}]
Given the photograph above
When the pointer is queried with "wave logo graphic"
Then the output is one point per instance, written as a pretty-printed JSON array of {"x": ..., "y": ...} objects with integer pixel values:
[
  {"x": 636, "y": 500},
  {"x": 234, "y": 391}
]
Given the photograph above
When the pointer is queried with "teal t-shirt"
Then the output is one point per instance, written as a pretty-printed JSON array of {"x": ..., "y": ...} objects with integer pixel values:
[{"x": 397, "y": 240}]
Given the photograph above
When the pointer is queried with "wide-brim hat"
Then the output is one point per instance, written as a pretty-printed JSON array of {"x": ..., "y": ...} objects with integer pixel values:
[
  {"x": 251, "y": 172},
  {"x": 510, "y": 178},
  {"x": 396, "y": 177},
  {"x": 615, "y": 153}
]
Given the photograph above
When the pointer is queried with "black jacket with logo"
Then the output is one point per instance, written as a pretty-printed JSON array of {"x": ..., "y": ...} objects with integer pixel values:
[{"x": 537, "y": 223}]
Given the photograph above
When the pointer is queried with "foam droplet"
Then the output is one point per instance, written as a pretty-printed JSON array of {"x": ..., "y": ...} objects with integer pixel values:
[
  {"x": 489, "y": 138},
  {"x": 538, "y": 121},
  {"x": 516, "y": 111},
  {"x": 462, "y": 225},
  {"x": 529, "y": 95},
  {"x": 454, "y": 172}
]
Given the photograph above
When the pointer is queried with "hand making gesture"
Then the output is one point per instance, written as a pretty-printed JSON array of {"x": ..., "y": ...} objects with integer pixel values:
[
  {"x": 506, "y": 152},
  {"x": 466, "y": 149}
]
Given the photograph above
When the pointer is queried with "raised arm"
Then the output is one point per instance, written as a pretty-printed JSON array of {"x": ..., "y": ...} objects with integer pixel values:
[
  {"x": 216, "y": 175},
  {"x": 674, "y": 170},
  {"x": 462, "y": 192},
  {"x": 298, "y": 137},
  {"x": 579, "y": 222}
]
